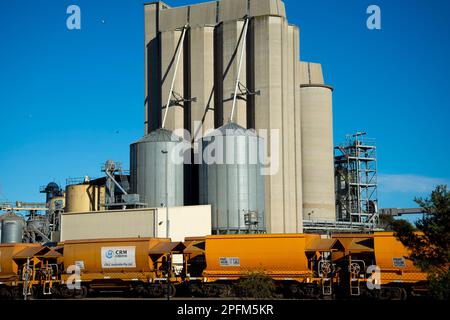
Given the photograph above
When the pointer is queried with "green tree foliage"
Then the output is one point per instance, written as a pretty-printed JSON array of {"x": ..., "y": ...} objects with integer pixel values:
[
  {"x": 257, "y": 285},
  {"x": 430, "y": 247},
  {"x": 388, "y": 223}
]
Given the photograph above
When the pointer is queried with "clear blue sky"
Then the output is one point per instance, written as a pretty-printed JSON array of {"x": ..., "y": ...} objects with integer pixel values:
[{"x": 69, "y": 100}]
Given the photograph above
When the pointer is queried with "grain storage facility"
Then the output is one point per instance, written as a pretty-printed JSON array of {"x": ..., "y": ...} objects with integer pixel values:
[
  {"x": 210, "y": 67},
  {"x": 204, "y": 60}
]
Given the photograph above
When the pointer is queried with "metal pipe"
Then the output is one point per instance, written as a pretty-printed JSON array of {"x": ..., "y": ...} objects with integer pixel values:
[
  {"x": 180, "y": 49},
  {"x": 166, "y": 153},
  {"x": 115, "y": 182},
  {"x": 244, "y": 36}
]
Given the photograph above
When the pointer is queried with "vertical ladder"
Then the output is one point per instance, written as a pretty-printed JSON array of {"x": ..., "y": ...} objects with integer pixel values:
[
  {"x": 27, "y": 278},
  {"x": 354, "y": 287},
  {"x": 327, "y": 289},
  {"x": 48, "y": 283}
]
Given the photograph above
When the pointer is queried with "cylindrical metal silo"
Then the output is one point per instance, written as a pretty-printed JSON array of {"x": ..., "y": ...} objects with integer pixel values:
[
  {"x": 84, "y": 197},
  {"x": 12, "y": 228},
  {"x": 231, "y": 180},
  {"x": 156, "y": 161},
  {"x": 317, "y": 152}
]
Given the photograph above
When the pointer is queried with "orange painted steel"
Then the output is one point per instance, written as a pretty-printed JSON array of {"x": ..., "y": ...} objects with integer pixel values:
[{"x": 281, "y": 256}]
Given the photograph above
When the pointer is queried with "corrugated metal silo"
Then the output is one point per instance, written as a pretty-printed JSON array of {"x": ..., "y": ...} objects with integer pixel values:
[
  {"x": 12, "y": 228},
  {"x": 231, "y": 180},
  {"x": 149, "y": 171}
]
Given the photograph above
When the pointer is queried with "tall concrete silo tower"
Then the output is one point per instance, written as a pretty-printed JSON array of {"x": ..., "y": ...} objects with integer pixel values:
[
  {"x": 199, "y": 58},
  {"x": 317, "y": 145}
]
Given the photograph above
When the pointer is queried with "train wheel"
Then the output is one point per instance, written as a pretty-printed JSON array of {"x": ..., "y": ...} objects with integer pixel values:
[
  {"x": 312, "y": 292},
  {"x": 195, "y": 290},
  {"x": 172, "y": 291},
  {"x": 74, "y": 293},
  {"x": 397, "y": 294},
  {"x": 81, "y": 293},
  {"x": 404, "y": 294},
  {"x": 16, "y": 293},
  {"x": 65, "y": 292},
  {"x": 296, "y": 292},
  {"x": 140, "y": 291},
  {"x": 34, "y": 293},
  {"x": 5, "y": 293},
  {"x": 390, "y": 293},
  {"x": 225, "y": 291},
  {"x": 210, "y": 291},
  {"x": 155, "y": 290},
  {"x": 55, "y": 292}
]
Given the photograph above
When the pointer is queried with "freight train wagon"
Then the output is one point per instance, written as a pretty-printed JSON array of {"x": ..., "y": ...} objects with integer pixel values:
[
  {"x": 381, "y": 260},
  {"x": 77, "y": 268},
  {"x": 299, "y": 264}
]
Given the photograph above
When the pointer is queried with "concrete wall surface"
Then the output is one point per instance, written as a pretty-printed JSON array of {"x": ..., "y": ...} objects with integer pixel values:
[
  {"x": 188, "y": 221},
  {"x": 148, "y": 222},
  {"x": 311, "y": 73}
]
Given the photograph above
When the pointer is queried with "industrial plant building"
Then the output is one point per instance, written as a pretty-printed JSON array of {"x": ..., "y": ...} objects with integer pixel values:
[
  {"x": 193, "y": 66},
  {"x": 229, "y": 74}
]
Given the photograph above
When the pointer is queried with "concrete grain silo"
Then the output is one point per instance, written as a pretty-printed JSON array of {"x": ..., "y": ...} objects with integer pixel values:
[
  {"x": 276, "y": 75},
  {"x": 169, "y": 42},
  {"x": 317, "y": 145},
  {"x": 211, "y": 53}
]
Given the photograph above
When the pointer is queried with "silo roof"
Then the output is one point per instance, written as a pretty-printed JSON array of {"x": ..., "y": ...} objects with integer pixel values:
[
  {"x": 232, "y": 129},
  {"x": 160, "y": 135},
  {"x": 11, "y": 216}
]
